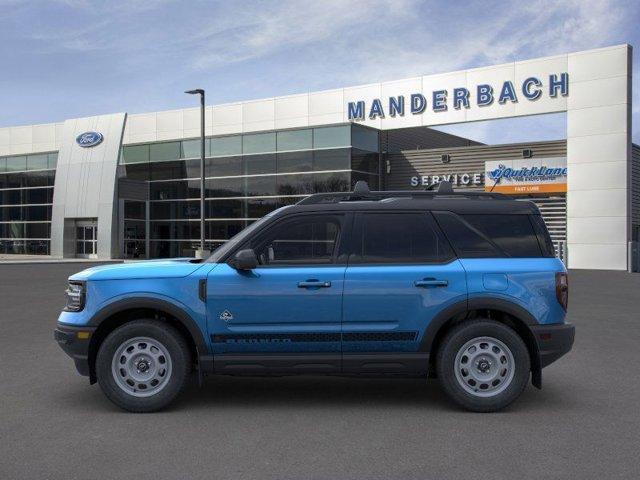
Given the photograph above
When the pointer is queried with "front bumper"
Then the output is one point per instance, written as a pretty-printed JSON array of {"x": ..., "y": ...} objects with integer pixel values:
[
  {"x": 75, "y": 343},
  {"x": 553, "y": 341}
]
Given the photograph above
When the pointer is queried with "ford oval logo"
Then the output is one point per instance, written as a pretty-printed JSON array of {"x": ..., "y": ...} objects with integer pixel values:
[{"x": 89, "y": 139}]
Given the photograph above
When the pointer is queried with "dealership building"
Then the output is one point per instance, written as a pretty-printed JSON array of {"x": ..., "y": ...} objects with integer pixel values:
[{"x": 127, "y": 185}]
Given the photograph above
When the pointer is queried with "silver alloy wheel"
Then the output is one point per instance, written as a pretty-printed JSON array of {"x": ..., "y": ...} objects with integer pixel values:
[
  {"x": 484, "y": 367},
  {"x": 141, "y": 366}
]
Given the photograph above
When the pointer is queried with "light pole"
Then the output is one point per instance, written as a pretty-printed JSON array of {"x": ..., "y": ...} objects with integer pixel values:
[{"x": 202, "y": 252}]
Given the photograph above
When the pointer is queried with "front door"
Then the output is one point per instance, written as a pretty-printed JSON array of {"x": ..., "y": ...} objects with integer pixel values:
[
  {"x": 87, "y": 239},
  {"x": 401, "y": 273},
  {"x": 289, "y": 305}
]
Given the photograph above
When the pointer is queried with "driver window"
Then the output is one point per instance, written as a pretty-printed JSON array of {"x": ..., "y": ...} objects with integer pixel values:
[{"x": 305, "y": 240}]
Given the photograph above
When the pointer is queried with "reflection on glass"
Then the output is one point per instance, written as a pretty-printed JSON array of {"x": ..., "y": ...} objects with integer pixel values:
[
  {"x": 295, "y": 140},
  {"x": 295, "y": 162},
  {"x": 259, "y": 143}
]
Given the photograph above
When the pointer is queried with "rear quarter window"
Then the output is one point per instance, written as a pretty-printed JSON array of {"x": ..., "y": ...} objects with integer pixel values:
[{"x": 491, "y": 235}]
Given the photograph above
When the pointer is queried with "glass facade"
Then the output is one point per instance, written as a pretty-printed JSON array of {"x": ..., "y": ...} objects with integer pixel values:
[
  {"x": 247, "y": 176},
  {"x": 26, "y": 196}
]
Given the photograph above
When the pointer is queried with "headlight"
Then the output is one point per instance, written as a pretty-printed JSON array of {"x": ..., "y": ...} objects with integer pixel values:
[{"x": 75, "y": 296}]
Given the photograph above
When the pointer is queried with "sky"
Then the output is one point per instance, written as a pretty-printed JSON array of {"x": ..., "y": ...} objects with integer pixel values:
[{"x": 74, "y": 58}]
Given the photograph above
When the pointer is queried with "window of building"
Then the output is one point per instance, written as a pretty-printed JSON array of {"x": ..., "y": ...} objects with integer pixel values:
[
  {"x": 225, "y": 146},
  {"x": 295, "y": 140},
  {"x": 191, "y": 148},
  {"x": 331, "y": 182},
  {"x": 398, "y": 238},
  {"x": 260, "y": 164},
  {"x": 295, "y": 162},
  {"x": 339, "y": 159},
  {"x": 261, "y": 186},
  {"x": 364, "y": 139},
  {"x": 16, "y": 164},
  {"x": 296, "y": 184},
  {"x": 306, "y": 240},
  {"x": 52, "y": 160},
  {"x": 135, "y": 153},
  {"x": 162, "y": 152},
  {"x": 259, "y": 143},
  {"x": 134, "y": 210},
  {"x": 226, "y": 187},
  {"x": 331, "y": 137},
  {"x": 38, "y": 162},
  {"x": 364, "y": 161},
  {"x": 224, "y": 166}
]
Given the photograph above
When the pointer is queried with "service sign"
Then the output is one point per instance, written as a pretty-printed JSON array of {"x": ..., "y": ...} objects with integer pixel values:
[{"x": 518, "y": 177}]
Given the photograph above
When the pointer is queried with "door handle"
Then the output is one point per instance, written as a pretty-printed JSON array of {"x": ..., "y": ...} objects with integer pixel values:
[
  {"x": 430, "y": 282},
  {"x": 314, "y": 284}
]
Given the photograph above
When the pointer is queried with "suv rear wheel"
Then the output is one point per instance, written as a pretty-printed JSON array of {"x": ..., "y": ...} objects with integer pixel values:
[
  {"x": 483, "y": 365},
  {"x": 143, "y": 365}
]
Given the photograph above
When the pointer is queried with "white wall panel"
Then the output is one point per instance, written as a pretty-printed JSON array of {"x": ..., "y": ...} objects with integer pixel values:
[
  {"x": 326, "y": 102},
  {"x": 599, "y": 63},
  {"x": 598, "y": 256},
  {"x": 295, "y": 106},
  {"x": 21, "y": 135},
  {"x": 600, "y": 175},
  {"x": 596, "y": 148},
  {"x": 606, "y": 230},
  {"x": 597, "y": 120},
  {"x": 598, "y": 93},
  {"x": 597, "y": 203}
]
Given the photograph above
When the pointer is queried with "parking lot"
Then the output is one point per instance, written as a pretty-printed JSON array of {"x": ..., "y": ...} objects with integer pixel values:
[{"x": 584, "y": 423}]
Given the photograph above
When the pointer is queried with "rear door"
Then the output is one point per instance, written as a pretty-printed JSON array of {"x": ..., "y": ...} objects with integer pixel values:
[{"x": 401, "y": 273}]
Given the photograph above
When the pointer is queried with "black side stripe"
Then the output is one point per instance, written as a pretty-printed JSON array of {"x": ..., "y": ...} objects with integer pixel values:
[{"x": 315, "y": 337}]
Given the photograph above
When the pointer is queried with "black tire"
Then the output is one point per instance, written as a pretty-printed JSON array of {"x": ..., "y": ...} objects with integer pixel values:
[
  {"x": 456, "y": 339},
  {"x": 176, "y": 348}
]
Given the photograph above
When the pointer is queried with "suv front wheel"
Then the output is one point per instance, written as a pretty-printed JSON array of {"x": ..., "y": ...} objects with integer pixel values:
[
  {"x": 483, "y": 365},
  {"x": 143, "y": 365}
]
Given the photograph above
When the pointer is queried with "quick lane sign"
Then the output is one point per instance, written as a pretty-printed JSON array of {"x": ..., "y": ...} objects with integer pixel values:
[
  {"x": 544, "y": 175},
  {"x": 482, "y": 95}
]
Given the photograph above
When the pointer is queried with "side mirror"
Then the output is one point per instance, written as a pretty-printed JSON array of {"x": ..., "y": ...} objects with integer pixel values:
[{"x": 245, "y": 260}]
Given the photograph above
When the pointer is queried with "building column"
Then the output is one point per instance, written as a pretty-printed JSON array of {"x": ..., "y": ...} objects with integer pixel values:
[{"x": 599, "y": 158}]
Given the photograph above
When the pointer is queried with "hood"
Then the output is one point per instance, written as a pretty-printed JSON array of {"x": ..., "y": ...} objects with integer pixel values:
[{"x": 170, "y": 268}]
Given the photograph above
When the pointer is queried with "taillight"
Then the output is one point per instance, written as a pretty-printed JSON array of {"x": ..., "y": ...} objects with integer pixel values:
[{"x": 562, "y": 289}]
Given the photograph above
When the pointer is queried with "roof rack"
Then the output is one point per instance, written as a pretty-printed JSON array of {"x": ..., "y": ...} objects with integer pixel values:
[{"x": 361, "y": 193}]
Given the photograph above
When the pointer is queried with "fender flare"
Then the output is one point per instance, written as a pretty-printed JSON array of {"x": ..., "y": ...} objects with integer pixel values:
[
  {"x": 131, "y": 303},
  {"x": 489, "y": 303}
]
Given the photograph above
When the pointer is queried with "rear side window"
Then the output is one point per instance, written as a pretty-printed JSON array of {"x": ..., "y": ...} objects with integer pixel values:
[
  {"x": 514, "y": 234},
  {"x": 398, "y": 238},
  {"x": 467, "y": 241},
  {"x": 544, "y": 239},
  {"x": 484, "y": 235}
]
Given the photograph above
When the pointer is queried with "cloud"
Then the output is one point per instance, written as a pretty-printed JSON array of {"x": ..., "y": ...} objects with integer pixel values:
[{"x": 266, "y": 47}]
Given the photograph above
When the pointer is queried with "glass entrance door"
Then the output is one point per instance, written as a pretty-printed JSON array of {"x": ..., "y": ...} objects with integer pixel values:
[{"x": 87, "y": 239}]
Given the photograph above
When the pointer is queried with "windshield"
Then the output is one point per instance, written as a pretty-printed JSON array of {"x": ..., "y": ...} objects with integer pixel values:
[{"x": 239, "y": 238}]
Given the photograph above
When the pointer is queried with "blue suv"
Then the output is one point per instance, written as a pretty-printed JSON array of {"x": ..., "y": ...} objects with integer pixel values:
[{"x": 464, "y": 287}]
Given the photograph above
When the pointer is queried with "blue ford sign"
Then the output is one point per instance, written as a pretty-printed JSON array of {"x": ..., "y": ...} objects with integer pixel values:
[{"x": 89, "y": 139}]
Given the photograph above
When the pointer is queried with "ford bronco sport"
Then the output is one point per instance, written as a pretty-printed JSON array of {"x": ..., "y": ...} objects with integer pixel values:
[{"x": 464, "y": 287}]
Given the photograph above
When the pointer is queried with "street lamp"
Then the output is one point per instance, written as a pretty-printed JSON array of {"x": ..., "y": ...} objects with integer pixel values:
[{"x": 201, "y": 252}]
